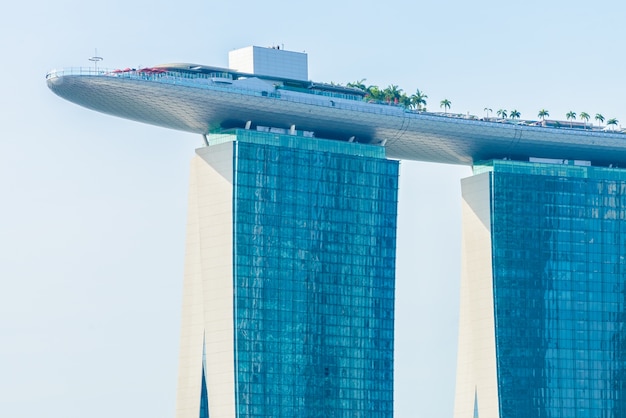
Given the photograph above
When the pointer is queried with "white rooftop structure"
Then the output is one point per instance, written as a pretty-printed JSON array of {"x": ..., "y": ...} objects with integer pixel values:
[{"x": 273, "y": 62}]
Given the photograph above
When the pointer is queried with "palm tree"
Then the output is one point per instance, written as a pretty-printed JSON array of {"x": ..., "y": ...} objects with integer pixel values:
[
  {"x": 488, "y": 110},
  {"x": 570, "y": 115},
  {"x": 405, "y": 101},
  {"x": 445, "y": 103},
  {"x": 599, "y": 118},
  {"x": 514, "y": 114},
  {"x": 418, "y": 99},
  {"x": 392, "y": 93},
  {"x": 502, "y": 113},
  {"x": 374, "y": 93},
  {"x": 358, "y": 84},
  {"x": 613, "y": 122},
  {"x": 584, "y": 116},
  {"x": 543, "y": 114}
]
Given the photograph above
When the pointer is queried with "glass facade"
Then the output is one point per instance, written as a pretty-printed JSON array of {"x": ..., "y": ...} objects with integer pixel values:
[
  {"x": 559, "y": 288},
  {"x": 314, "y": 226},
  {"x": 204, "y": 399}
]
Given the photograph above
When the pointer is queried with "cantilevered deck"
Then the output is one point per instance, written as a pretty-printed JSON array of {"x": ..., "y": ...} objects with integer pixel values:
[{"x": 205, "y": 101}]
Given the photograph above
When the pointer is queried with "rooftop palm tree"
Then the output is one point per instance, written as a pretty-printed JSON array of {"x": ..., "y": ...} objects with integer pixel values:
[
  {"x": 502, "y": 113},
  {"x": 374, "y": 93},
  {"x": 418, "y": 99},
  {"x": 570, "y": 115},
  {"x": 599, "y": 118},
  {"x": 358, "y": 84},
  {"x": 543, "y": 114},
  {"x": 613, "y": 122},
  {"x": 405, "y": 101},
  {"x": 445, "y": 104},
  {"x": 392, "y": 93},
  {"x": 584, "y": 116},
  {"x": 514, "y": 114}
]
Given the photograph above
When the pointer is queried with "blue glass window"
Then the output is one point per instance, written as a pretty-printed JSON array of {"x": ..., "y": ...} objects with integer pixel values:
[
  {"x": 314, "y": 248},
  {"x": 559, "y": 270}
]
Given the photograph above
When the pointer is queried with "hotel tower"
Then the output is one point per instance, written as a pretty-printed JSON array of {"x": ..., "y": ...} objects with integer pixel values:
[{"x": 288, "y": 300}]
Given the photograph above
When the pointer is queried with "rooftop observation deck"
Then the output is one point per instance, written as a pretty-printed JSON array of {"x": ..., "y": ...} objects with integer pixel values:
[{"x": 202, "y": 99}]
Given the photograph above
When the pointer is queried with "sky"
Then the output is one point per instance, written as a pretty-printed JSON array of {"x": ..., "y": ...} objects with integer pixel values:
[{"x": 93, "y": 208}]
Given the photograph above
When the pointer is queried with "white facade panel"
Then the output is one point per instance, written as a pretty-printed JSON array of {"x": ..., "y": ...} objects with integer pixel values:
[
  {"x": 207, "y": 317},
  {"x": 476, "y": 360}
]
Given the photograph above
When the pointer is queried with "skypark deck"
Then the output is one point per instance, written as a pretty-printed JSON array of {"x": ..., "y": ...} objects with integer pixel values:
[{"x": 201, "y": 99}]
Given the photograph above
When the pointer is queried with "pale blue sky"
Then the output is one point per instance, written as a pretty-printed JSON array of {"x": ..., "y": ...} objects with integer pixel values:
[{"x": 92, "y": 211}]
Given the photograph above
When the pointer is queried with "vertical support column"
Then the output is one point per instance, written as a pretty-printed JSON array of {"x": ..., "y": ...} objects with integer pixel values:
[
  {"x": 207, "y": 316},
  {"x": 476, "y": 381}
]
